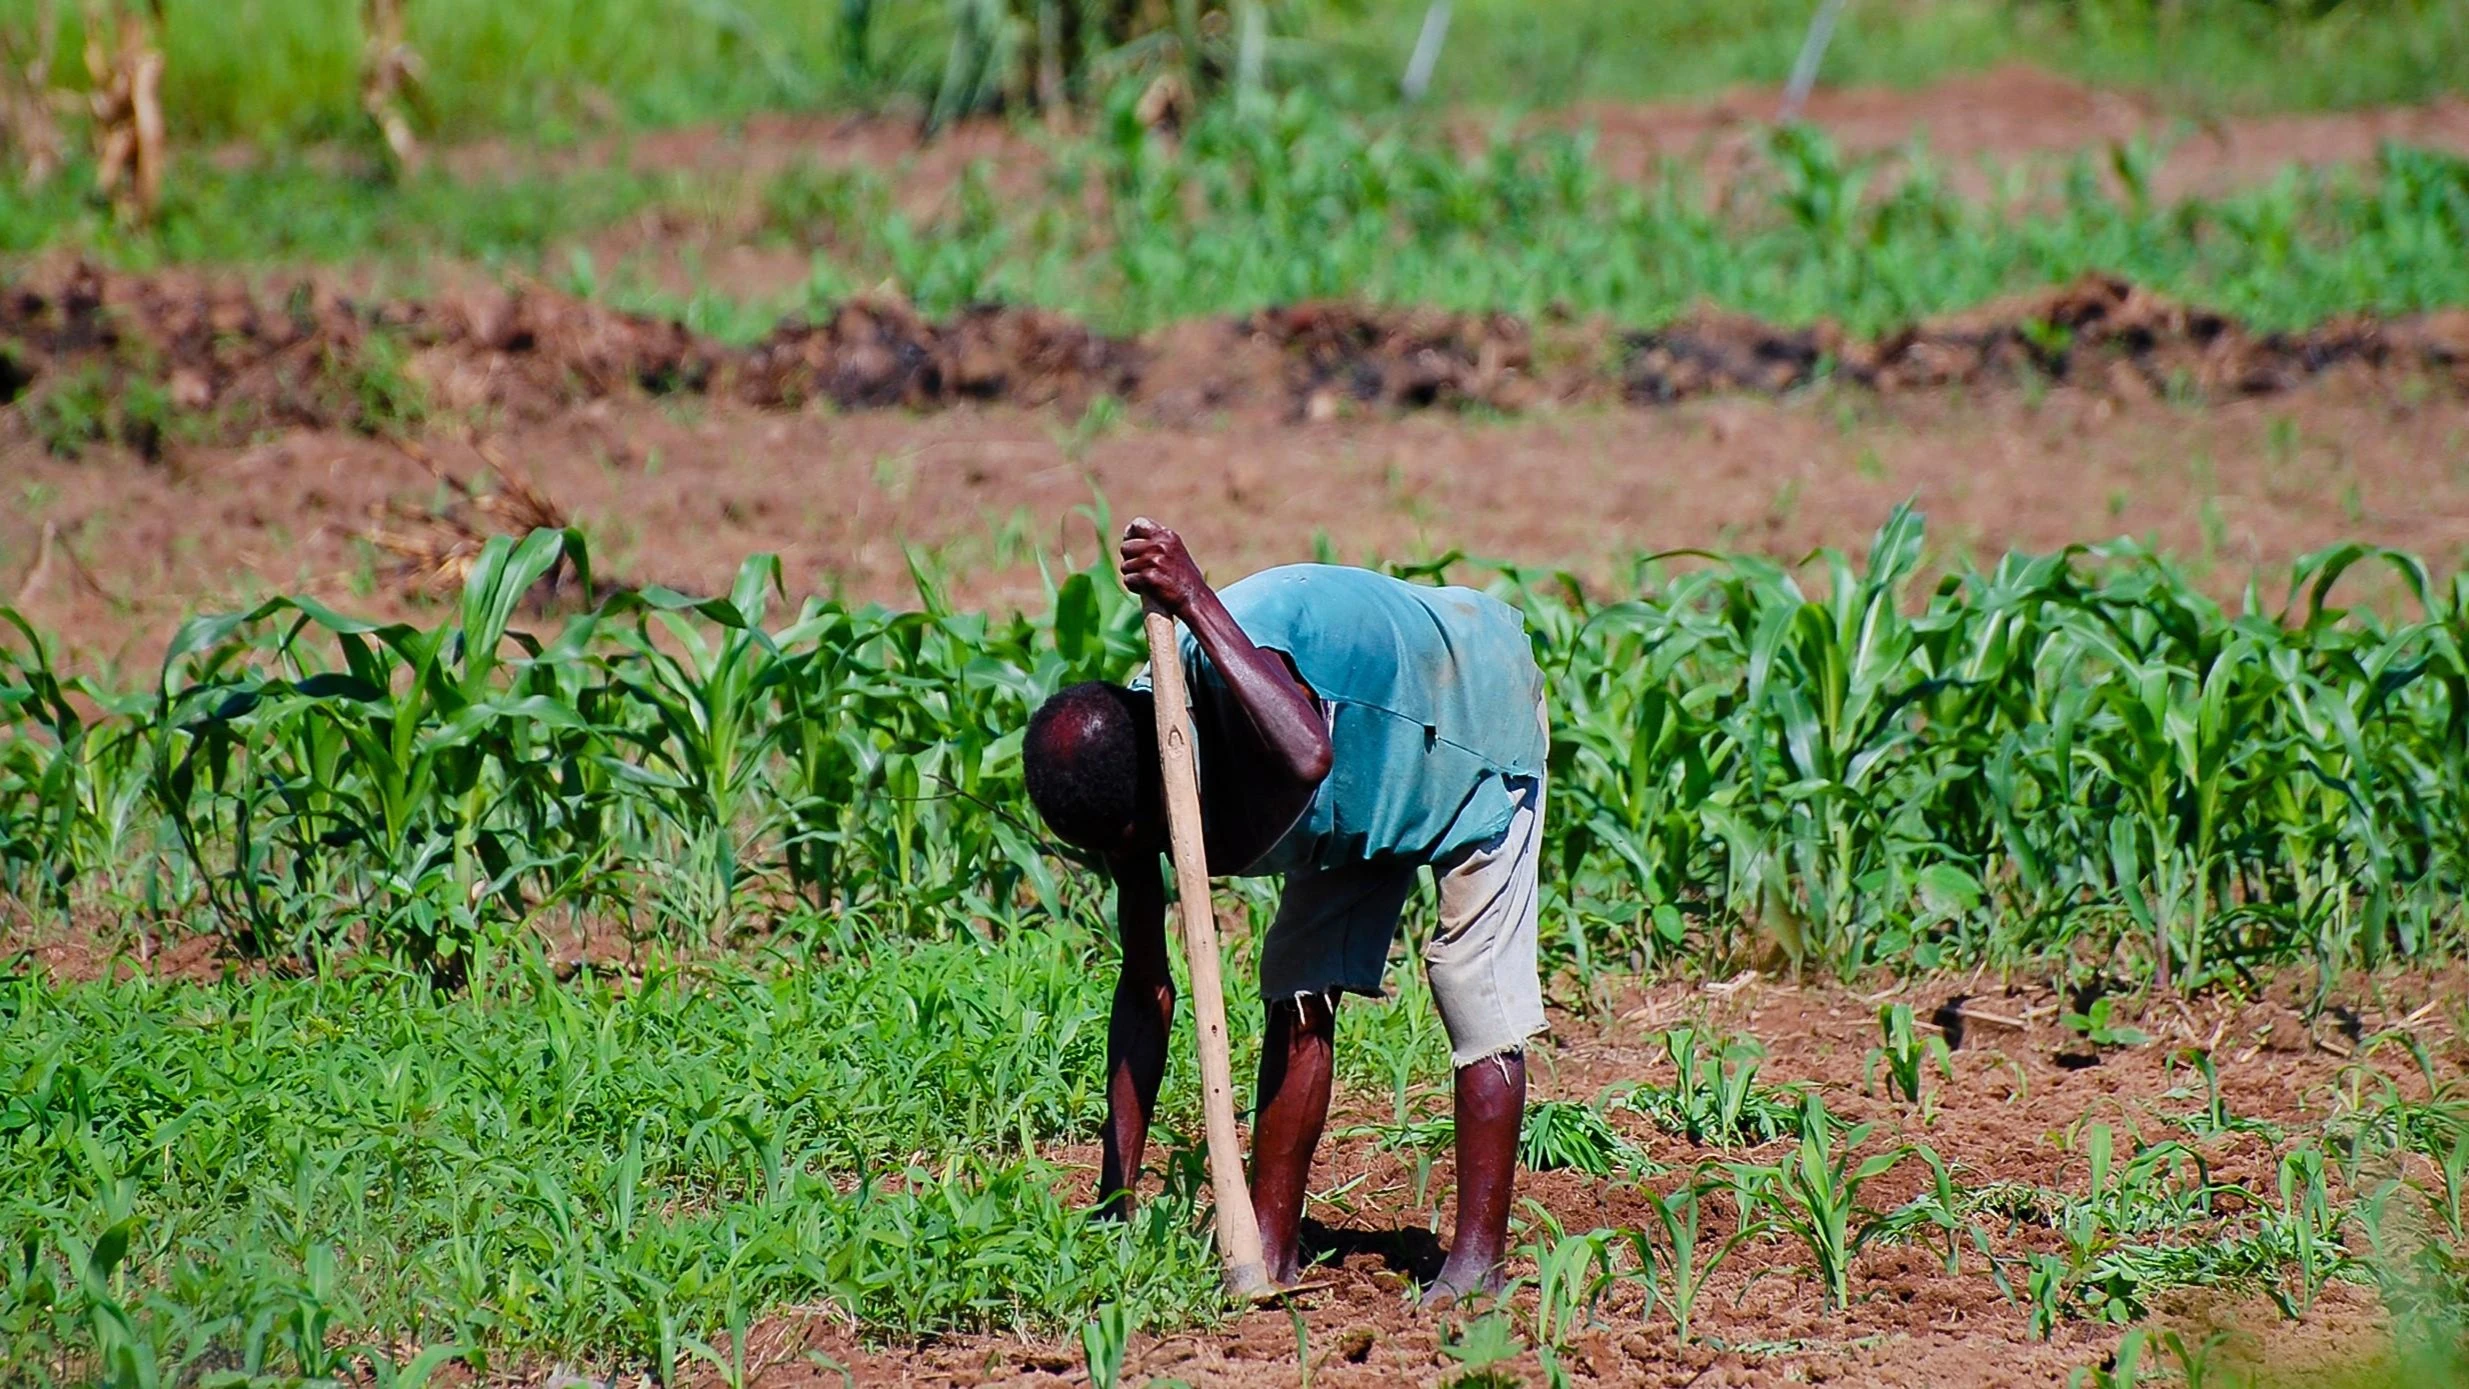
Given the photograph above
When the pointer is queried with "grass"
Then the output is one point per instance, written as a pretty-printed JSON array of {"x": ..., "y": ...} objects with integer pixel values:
[
  {"x": 2206, "y": 57},
  {"x": 287, "y": 70},
  {"x": 561, "y": 1168},
  {"x": 286, "y": 210}
]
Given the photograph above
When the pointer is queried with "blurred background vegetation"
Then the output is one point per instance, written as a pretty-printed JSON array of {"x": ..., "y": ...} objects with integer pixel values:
[{"x": 280, "y": 71}]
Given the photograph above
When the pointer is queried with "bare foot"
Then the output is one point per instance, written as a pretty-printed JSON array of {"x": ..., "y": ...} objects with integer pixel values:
[{"x": 1458, "y": 1283}]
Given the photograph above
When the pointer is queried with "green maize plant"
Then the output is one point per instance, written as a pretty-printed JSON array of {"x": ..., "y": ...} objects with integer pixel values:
[
  {"x": 1813, "y": 1195},
  {"x": 71, "y": 793},
  {"x": 1674, "y": 1263},
  {"x": 2078, "y": 751},
  {"x": 1904, "y": 1055},
  {"x": 1715, "y": 1098},
  {"x": 412, "y": 781}
]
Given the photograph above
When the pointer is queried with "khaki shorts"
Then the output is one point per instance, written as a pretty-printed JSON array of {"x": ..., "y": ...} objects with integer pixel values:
[{"x": 1334, "y": 928}]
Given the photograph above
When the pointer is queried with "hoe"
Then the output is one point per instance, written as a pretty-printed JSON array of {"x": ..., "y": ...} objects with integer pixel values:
[{"x": 1238, "y": 1230}]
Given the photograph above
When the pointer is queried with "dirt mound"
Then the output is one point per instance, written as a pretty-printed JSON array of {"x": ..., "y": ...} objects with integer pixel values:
[
  {"x": 2099, "y": 332},
  {"x": 118, "y": 356},
  {"x": 882, "y": 353},
  {"x": 529, "y": 346},
  {"x": 1406, "y": 359},
  {"x": 146, "y": 360},
  {"x": 137, "y": 359}
]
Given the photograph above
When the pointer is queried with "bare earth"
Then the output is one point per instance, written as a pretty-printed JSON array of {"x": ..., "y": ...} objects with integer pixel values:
[
  {"x": 681, "y": 493},
  {"x": 2011, "y": 1114}
]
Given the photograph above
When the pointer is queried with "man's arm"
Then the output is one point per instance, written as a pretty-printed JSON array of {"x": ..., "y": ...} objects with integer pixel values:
[
  {"x": 1137, "y": 1030},
  {"x": 1284, "y": 716}
]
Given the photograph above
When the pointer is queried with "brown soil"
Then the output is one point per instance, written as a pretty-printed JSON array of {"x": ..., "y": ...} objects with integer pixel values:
[
  {"x": 227, "y": 361},
  {"x": 680, "y": 490},
  {"x": 2008, "y": 115},
  {"x": 2019, "y": 115},
  {"x": 2012, "y": 1112},
  {"x": 2100, "y": 332}
]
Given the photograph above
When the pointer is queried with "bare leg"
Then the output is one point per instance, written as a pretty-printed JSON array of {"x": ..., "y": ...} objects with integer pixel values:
[
  {"x": 1491, "y": 1101},
  {"x": 1295, "y": 1070},
  {"x": 1136, "y": 1032},
  {"x": 1135, "y": 1067}
]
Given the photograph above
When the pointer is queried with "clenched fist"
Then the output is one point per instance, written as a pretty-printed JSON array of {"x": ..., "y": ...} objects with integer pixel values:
[{"x": 1157, "y": 567}]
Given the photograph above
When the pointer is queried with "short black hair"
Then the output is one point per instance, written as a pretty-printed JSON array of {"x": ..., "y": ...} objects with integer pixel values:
[{"x": 1084, "y": 757}]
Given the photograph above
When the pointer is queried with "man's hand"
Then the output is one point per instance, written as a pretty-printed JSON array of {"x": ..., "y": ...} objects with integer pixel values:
[{"x": 1156, "y": 566}]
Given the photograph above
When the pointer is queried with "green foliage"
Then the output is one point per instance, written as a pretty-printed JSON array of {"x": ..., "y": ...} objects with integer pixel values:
[
  {"x": 1903, "y": 1054},
  {"x": 1482, "y": 1343},
  {"x": 1555, "y": 1135},
  {"x": 2159, "y": 1221},
  {"x": 2108, "y": 759},
  {"x": 1296, "y": 202},
  {"x": 288, "y": 69},
  {"x": 424, "y": 1137},
  {"x": 2203, "y": 55},
  {"x": 2095, "y": 1027},
  {"x": 287, "y": 208},
  {"x": 1813, "y": 1196},
  {"x": 1674, "y": 1261},
  {"x": 92, "y": 407},
  {"x": 1558, "y": 1134},
  {"x": 1103, "y": 1339},
  {"x": 294, "y": 1177},
  {"x": 1292, "y": 199},
  {"x": 1715, "y": 1098}
]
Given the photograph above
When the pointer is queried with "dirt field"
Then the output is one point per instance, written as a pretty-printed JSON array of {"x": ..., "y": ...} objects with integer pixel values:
[
  {"x": 679, "y": 492},
  {"x": 1258, "y": 450},
  {"x": 2011, "y": 1113}
]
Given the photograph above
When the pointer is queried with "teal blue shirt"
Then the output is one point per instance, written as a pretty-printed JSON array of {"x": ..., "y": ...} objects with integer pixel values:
[{"x": 1431, "y": 696}]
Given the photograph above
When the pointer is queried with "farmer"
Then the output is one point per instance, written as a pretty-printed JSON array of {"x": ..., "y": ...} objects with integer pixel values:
[{"x": 1352, "y": 729}]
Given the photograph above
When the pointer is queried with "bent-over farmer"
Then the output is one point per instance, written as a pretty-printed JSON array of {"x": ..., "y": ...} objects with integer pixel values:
[{"x": 1352, "y": 729}]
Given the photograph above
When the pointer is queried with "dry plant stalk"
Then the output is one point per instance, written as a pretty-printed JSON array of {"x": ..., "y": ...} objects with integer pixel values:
[
  {"x": 435, "y": 550},
  {"x": 127, "y": 105},
  {"x": 390, "y": 74},
  {"x": 29, "y": 125}
]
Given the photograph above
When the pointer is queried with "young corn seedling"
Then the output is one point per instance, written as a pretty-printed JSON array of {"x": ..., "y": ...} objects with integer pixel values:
[
  {"x": 1572, "y": 1274},
  {"x": 2213, "y": 1119},
  {"x": 1813, "y": 1195},
  {"x": 1715, "y": 1099},
  {"x": 1103, "y": 1339},
  {"x": 1674, "y": 1259},
  {"x": 1904, "y": 1054},
  {"x": 2094, "y": 1026},
  {"x": 2126, "y": 1369},
  {"x": 2309, "y": 1228},
  {"x": 1482, "y": 1346}
]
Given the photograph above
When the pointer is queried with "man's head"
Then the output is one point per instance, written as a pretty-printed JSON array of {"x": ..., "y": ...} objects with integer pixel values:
[{"x": 1090, "y": 757}]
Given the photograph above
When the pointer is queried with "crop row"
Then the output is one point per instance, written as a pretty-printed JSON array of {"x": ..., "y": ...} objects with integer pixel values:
[
  {"x": 1294, "y": 200},
  {"x": 1841, "y": 766}
]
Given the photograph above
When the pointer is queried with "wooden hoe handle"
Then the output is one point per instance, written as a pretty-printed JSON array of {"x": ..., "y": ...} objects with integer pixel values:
[{"x": 1238, "y": 1229}]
